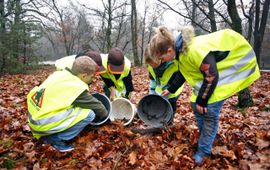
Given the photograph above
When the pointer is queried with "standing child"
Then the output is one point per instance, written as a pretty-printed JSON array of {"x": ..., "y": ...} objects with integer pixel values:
[{"x": 216, "y": 65}]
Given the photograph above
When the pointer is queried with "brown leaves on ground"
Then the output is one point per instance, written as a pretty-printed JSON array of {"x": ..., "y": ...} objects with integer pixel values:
[{"x": 242, "y": 141}]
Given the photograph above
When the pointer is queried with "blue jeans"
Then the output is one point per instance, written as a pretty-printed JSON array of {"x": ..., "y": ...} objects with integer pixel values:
[
  {"x": 208, "y": 125},
  {"x": 72, "y": 132}
]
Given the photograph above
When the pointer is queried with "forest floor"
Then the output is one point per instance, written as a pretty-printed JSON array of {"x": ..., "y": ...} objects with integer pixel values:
[{"x": 243, "y": 140}]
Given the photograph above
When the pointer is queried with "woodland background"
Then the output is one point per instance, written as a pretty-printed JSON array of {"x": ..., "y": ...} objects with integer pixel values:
[{"x": 39, "y": 30}]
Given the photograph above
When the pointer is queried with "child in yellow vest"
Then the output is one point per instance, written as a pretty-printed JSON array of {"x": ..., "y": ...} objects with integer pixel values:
[
  {"x": 216, "y": 65},
  {"x": 162, "y": 76},
  {"x": 118, "y": 78},
  {"x": 61, "y": 106}
]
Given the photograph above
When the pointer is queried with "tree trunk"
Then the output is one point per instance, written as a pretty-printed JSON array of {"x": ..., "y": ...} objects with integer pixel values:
[
  {"x": 233, "y": 13},
  {"x": 250, "y": 17},
  {"x": 2, "y": 33},
  {"x": 143, "y": 32},
  {"x": 260, "y": 24},
  {"x": 244, "y": 96},
  {"x": 194, "y": 17},
  {"x": 109, "y": 27},
  {"x": 25, "y": 57},
  {"x": 134, "y": 32},
  {"x": 16, "y": 29},
  {"x": 212, "y": 16},
  {"x": 250, "y": 22},
  {"x": 2, "y": 19},
  {"x": 63, "y": 27}
]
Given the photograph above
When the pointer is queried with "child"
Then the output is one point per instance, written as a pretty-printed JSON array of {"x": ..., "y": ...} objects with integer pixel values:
[
  {"x": 118, "y": 78},
  {"x": 161, "y": 76},
  {"x": 114, "y": 70},
  {"x": 216, "y": 65},
  {"x": 61, "y": 106}
]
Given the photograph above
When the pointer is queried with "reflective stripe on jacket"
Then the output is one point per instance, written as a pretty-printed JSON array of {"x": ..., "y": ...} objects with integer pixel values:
[
  {"x": 50, "y": 104},
  {"x": 236, "y": 72}
]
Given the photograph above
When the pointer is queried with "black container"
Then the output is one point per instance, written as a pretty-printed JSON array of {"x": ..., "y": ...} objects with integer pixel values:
[
  {"x": 155, "y": 110},
  {"x": 107, "y": 103}
]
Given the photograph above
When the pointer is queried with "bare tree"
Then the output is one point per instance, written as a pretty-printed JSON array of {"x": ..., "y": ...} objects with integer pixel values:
[
  {"x": 260, "y": 24},
  {"x": 143, "y": 27},
  {"x": 212, "y": 16},
  {"x": 2, "y": 35},
  {"x": 249, "y": 16},
  {"x": 64, "y": 27},
  {"x": 244, "y": 96},
  {"x": 113, "y": 22},
  {"x": 109, "y": 27},
  {"x": 134, "y": 32},
  {"x": 121, "y": 35},
  {"x": 196, "y": 12},
  {"x": 67, "y": 30},
  {"x": 147, "y": 28},
  {"x": 236, "y": 20}
]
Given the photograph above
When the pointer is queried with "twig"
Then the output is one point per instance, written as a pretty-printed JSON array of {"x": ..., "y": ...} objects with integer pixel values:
[
  {"x": 147, "y": 131},
  {"x": 118, "y": 160}
]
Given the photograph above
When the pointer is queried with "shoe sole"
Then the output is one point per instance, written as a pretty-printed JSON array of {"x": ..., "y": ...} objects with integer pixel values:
[
  {"x": 62, "y": 150},
  {"x": 66, "y": 150}
]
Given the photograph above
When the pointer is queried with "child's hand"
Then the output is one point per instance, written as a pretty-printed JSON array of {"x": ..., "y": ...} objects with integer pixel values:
[
  {"x": 201, "y": 109},
  {"x": 165, "y": 92},
  {"x": 113, "y": 94}
]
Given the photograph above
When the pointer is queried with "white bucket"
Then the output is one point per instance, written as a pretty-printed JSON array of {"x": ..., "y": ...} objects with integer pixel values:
[{"x": 123, "y": 109}]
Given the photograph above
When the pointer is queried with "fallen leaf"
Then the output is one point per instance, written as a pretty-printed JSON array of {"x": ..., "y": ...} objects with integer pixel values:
[
  {"x": 132, "y": 158},
  {"x": 223, "y": 151},
  {"x": 261, "y": 143}
]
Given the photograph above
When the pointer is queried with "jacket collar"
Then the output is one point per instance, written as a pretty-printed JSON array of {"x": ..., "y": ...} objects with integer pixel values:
[{"x": 178, "y": 45}]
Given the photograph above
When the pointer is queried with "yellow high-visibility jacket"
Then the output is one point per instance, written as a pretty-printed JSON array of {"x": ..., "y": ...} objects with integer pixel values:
[
  {"x": 166, "y": 76},
  {"x": 236, "y": 72},
  {"x": 64, "y": 62},
  {"x": 118, "y": 83},
  {"x": 50, "y": 104}
]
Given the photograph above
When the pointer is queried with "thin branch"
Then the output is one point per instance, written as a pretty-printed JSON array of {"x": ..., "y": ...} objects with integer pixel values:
[{"x": 172, "y": 9}]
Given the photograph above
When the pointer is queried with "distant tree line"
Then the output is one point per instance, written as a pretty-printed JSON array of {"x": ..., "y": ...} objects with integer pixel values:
[{"x": 35, "y": 30}]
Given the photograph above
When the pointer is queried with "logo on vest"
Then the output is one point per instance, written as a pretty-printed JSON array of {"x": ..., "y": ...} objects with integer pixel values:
[{"x": 37, "y": 97}]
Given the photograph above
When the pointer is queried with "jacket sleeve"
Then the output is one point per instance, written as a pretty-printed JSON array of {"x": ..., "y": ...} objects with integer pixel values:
[
  {"x": 87, "y": 101},
  {"x": 108, "y": 82},
  {"x": 176, "y": 81},
  {"x": 210, "y": 73},
  {"x": 128, "y": 83}
]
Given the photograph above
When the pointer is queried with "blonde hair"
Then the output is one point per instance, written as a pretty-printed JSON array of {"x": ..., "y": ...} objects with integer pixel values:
[
  {"x": 163, "y": 39},
  {"x": 148, "y": 58},
  {"x": 187, "y": 35},
  {"x": 84, "y": 64}
]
